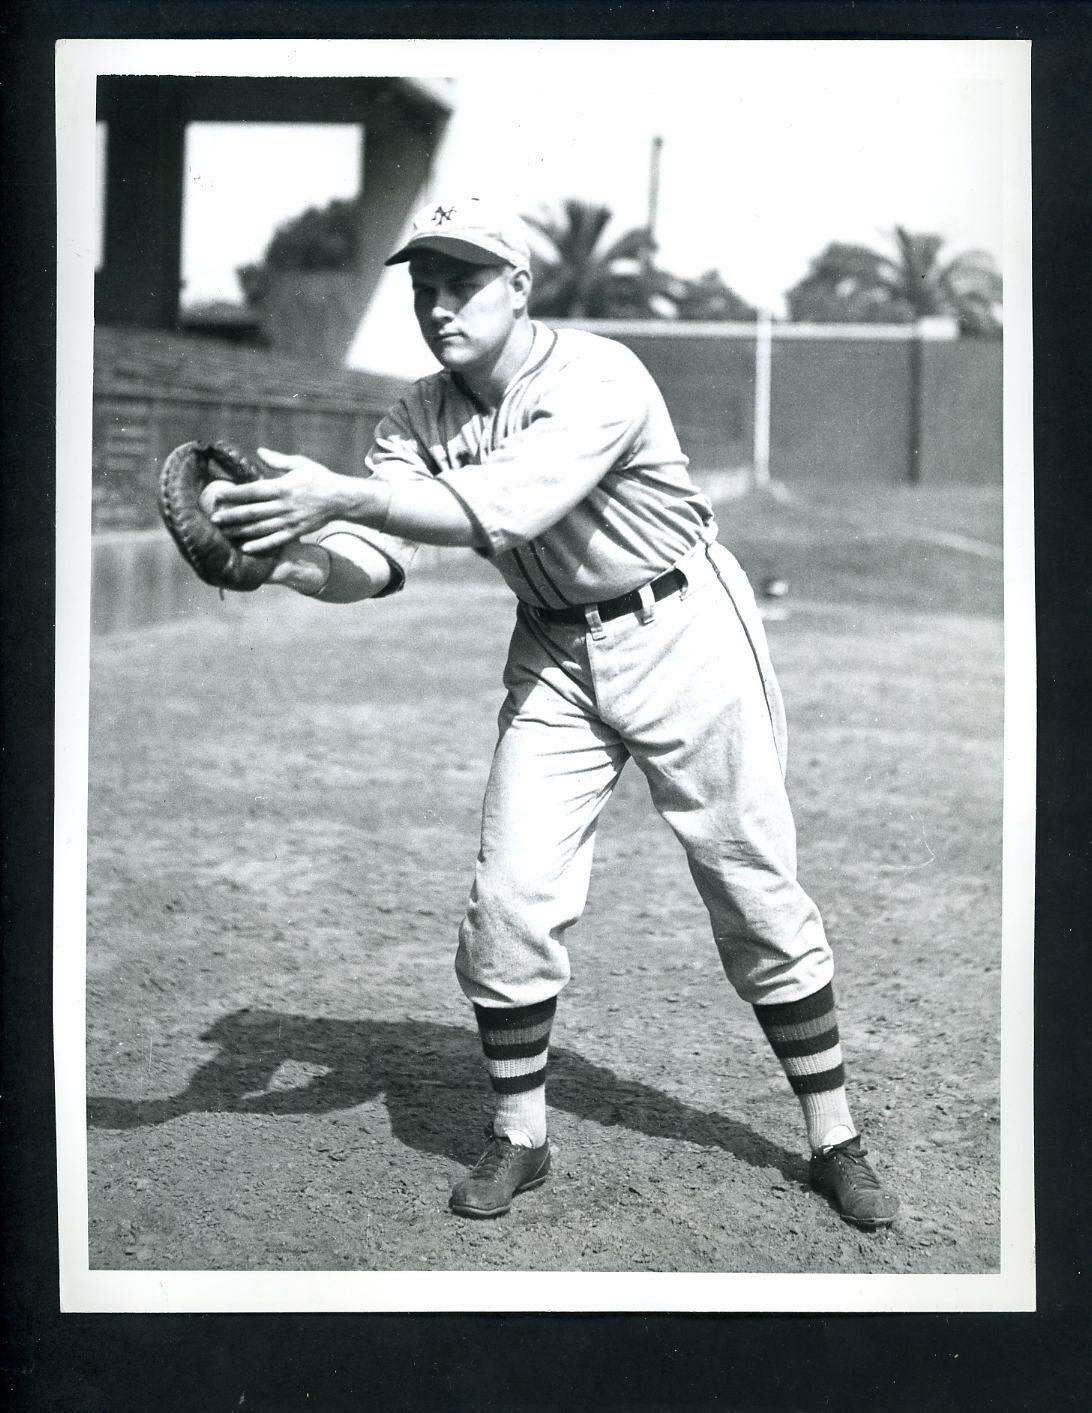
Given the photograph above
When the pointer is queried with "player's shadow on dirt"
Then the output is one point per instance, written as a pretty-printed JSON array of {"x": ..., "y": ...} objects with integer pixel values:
[{"x": 429, "y": 1076}]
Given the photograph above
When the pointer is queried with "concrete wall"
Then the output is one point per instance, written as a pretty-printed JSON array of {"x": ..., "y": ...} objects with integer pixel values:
[
  {"x": 146, "y": 118},
  {"x": 138, "y": 579},
  {"x": 962, "y": 427},
  {"x": 840, "y": 410}
]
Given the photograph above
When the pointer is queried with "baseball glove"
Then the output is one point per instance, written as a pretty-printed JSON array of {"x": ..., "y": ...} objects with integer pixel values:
[{"x": 208, "y": 551}]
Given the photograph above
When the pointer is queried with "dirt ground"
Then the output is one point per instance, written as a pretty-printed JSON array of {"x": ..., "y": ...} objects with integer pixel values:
[{"x": 284, "y": 797}]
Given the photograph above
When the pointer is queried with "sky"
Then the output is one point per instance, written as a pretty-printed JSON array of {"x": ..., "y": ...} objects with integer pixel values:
[
  {"x": 770, "y": 150},
  {"x": 768, "y": 154}
]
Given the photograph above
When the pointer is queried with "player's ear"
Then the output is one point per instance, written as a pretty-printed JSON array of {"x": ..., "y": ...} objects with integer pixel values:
[{"x": 519, "y": 282}]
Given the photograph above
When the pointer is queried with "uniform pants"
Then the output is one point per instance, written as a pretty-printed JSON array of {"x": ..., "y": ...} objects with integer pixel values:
[{"x": 687, "y": 690}]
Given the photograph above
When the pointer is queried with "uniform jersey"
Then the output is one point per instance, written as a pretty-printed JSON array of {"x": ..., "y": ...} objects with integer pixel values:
[{"x": 575, "y": 483}]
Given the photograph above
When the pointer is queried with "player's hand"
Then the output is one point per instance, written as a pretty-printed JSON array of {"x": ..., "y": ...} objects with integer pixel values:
[
  {"x": 298, "y": 566},
  {"x": 209, "y": 499},
  {"x": 265, "y": 515}
]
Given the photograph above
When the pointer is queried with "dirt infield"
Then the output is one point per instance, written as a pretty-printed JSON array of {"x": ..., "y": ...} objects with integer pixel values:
[{"x": 282, "y": 1073}]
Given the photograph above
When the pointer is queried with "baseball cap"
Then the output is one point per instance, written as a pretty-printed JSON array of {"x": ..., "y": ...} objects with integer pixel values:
[{"x": 470, "y": 229}]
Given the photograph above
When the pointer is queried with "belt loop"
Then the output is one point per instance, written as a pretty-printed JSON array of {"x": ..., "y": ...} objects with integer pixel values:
[
  {"x": 647, "y": 612},
  {"x": 684, "y": 587},
  {"x": 595, "y": 623}
]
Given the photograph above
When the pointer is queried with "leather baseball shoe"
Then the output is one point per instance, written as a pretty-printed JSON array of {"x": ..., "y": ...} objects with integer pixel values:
[
  {"x": 843, "y": 1174},
  {"x": 503, "y": 1170}
]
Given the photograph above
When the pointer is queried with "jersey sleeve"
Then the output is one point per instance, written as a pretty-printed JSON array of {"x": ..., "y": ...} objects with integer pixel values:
[{"x": 584, "y": 423}]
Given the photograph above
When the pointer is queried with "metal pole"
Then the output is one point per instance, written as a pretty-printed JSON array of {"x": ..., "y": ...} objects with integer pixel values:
[
  {"x": 653, "y": 195},
  {"x": 654, "y": 185},
  {"x": 763, "y": 382},
  {"x": 915, "y": 410}
]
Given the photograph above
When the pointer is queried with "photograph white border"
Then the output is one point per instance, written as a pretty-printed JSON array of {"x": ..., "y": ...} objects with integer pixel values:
[{"x": 79, "y": 63}]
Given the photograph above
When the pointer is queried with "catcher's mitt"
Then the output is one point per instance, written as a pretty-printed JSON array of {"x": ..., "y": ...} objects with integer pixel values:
[{"x": 205, "y": 547}]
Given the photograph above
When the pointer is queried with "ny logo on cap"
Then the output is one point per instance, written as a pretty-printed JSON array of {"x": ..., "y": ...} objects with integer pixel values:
[{"x": 442, "y": 214}]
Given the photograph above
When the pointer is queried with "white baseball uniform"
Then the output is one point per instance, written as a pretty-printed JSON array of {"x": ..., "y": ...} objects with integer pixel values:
[{"x": 580, "y": 493}]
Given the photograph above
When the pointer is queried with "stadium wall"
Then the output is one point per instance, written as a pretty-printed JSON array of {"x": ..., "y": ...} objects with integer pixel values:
[
  {"x": 962, "y": 426},
  {"x": 138, "y": 579},
  {"x": 863, "y": 405}
]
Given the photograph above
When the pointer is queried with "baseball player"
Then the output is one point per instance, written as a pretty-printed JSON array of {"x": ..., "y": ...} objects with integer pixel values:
[{"x": 552, "y": 454}]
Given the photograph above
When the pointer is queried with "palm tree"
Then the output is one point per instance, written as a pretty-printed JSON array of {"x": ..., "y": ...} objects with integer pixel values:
[
  {"x": 576, "y": 279},
  {"x": 852, "y": 283},
  {"x": 709, "y": 298}
]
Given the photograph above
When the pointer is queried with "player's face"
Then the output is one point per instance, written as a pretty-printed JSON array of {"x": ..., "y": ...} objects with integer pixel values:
[{"x": 466, "y": 313}]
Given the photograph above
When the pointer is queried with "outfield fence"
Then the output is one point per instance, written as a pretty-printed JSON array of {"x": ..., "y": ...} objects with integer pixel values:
[{"x": 797, "y": 403}]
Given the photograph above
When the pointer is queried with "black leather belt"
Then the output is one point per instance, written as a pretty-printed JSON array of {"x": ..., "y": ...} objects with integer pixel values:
[{"x": 669, "y": 583}]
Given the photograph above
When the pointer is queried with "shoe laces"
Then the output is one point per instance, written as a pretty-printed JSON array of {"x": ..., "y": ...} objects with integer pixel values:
[
  {"x": 853, "y": 1161},
  {"x": 496, "y": 1157}
]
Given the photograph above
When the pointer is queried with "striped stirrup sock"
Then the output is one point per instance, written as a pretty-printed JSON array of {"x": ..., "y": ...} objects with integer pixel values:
[
  {"x": 804, "y": 1036},
  {"x": 516, "y": 1042}
]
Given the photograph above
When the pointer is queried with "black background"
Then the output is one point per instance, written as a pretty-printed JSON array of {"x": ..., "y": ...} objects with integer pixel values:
[{"x": 271, "y": 1364}]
